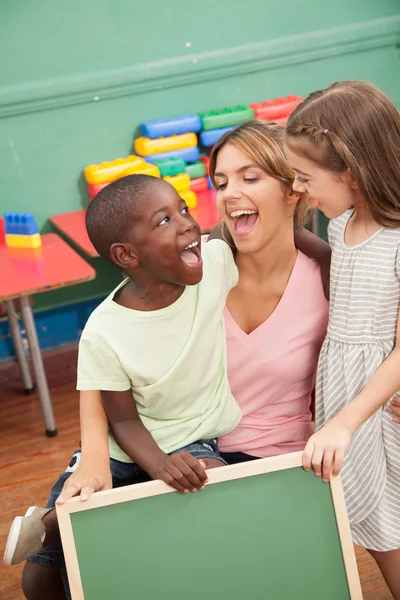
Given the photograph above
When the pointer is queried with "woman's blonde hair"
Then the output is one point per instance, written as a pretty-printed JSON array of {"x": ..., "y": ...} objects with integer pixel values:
[
  {"x": 352, "y": 124},
  {"x": 263, "y": 142}
]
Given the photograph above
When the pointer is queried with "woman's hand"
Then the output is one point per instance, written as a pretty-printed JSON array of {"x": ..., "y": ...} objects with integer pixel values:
[
  {"x": 90, "y": 476},
  {"x": 325, "y": 450}
]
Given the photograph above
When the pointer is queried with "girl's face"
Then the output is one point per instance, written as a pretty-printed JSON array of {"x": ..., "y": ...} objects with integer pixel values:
[
  {"x": 331, "y": 193},
  {"x": 254, "y": 205}
]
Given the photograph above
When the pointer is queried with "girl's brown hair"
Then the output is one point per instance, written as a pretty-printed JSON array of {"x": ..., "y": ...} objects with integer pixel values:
[
  {"x": 352, "y": 124},
  {"x": 264, "y": 143}
]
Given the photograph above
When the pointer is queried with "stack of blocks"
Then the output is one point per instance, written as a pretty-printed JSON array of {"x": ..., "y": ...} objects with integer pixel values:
[
  {"x": 170, "y": 144},
  {"x": 21, "y": 231}
]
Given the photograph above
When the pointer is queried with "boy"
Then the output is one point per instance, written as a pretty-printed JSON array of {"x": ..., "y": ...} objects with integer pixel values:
[{"x": 155, "y": 348}]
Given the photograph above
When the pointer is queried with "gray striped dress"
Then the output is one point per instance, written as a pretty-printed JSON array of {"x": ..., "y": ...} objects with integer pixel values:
[{"x": 364, "y": 305}]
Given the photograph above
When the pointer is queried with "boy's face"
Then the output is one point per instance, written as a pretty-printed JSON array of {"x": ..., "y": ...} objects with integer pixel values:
[{"x": 166, "y": 238}]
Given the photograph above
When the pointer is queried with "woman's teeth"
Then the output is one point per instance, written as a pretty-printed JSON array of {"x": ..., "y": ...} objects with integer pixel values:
[{"x": 239, "y": 213}]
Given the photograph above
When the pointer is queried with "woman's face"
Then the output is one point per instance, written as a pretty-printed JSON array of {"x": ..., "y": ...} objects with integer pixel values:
[{"x": 253, "y": 204}]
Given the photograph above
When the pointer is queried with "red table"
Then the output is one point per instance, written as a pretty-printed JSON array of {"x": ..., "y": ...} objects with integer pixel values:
[
  {"x": 72, "y": 224},
  {"x": 25, "y": 272}
]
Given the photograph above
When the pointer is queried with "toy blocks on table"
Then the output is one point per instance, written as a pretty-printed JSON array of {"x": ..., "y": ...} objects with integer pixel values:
[
  {"x": 189, "y": 155},
  {"x": 226, "y": 117},
  {"x": 271, "y": 110},
  {"x": 206, "y": 161},
  {"x": 21, "y": 231},
  {"x": 23, "y": 241},
  {"x": 172, "y": 126},
  {"x": 109, "y": 171},
  {"x": 196, "y": 170},
  {"x": 209, "y": 138},
  {"x": 189, "y": 197},
  {"x": 94, "y": 188},
  {"x": 200, "y": 184},
  {"x": 180, "y": 182},
  {"x": 2, "y": 232},
  {"x": 146, "y": 146},
  {"x": 170, "y": 167}
]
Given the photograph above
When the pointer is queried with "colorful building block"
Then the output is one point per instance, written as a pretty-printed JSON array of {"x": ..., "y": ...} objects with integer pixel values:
[
  {"x": 172, "y": 126},
  {"x": 2, "y": 232},
  {"x": 189, "y": 197},
  {"x": 226, "y": 117},
  {"x": 210, "y": 183},
  {"x": 189, "y": 155},
  {"x": 23, "y": 241},
  {"x": 180, "y": 182},
  {"x": 20, "y": 224},
  {"x": 209, "y": 138},
  {"x": 200, "y": 184},
  {"x": 94, "y": 188},
  {"x": 271, "y": 110},
  {"x": 170, "y": 167},
  {"x": 109, "y": 171},
  {"x": 144, "y": 169},
  {"x": 197, "y": 169},
  {"x": 146, "y": 146}
]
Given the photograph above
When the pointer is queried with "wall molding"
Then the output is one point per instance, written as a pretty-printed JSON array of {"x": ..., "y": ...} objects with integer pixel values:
[{"x": 194, "y": 68}]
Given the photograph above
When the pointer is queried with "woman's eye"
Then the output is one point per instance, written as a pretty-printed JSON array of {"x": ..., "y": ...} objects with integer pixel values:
[
  {"x": 302, "y": 180},
  {"x": 220, "y": 186},
  {"x": 251, "y": 179},
  {"x": 164, "y": 221}
]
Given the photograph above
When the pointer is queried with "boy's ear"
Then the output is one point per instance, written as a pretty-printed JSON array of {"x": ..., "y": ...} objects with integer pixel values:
[{"x": 124, "y": 256}]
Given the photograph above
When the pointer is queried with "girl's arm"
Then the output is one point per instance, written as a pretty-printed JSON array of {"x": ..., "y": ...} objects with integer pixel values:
[
  {"x": 325, "y": 450},
  {"x": 93, "y": 473},
  {"x": 311, "y": 245}
]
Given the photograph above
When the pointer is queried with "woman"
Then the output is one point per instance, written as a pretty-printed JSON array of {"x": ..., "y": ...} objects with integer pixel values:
[{"x": 275, "y": 318}]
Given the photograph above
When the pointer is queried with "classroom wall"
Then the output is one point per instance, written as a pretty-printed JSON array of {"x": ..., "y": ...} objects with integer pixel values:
[{"x": 77, "y": 78}]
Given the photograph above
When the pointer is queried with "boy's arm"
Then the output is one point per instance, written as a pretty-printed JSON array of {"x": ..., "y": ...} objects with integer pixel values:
[
  {"x": 181, "y": 470},
  {"x": 311, "y": 245},
  {"x": 93, "y": 473}
]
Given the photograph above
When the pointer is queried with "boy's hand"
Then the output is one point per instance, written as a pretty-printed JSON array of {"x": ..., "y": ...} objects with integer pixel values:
[
  {"x": 325, "y": 450},
  {"x": 87, "y": 479},
  {"x": 182, "y": 471}
]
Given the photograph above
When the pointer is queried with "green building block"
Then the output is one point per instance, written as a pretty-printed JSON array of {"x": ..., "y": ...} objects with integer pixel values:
[
  {"x": 171, "y": 166},
  {"x": 197, "y": 169},
  {"x": 226, "y": 117}
]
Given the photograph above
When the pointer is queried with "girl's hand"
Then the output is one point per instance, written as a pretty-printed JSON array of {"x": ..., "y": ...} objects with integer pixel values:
[
  {"x": 325, "y": 450},
  {"x": 394, "y": 409},
  {"x": 88, "y": 478}
]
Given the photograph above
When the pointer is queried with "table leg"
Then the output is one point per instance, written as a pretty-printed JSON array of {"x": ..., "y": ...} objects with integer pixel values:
[
  {"x": 19, "y": 348},
  {"x": 38, "y": 367}
]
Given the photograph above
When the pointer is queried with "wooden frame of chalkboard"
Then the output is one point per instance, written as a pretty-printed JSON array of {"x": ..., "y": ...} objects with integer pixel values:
[{"x": 218, "y": 475}]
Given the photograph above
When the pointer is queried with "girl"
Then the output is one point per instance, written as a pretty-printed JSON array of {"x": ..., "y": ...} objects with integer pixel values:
[{"x": 344, "y": 145}]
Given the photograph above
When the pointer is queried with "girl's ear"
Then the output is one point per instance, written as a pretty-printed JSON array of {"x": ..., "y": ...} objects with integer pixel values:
[{"x": 347, "y": 177}]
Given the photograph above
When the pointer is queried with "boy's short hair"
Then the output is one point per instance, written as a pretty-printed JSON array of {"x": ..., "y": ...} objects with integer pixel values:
[{"x": 109, "y": 215}]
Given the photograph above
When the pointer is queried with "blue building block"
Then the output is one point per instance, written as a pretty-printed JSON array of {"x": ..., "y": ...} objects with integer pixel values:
[
  {"x": 189, "y": 155},
  {"x": 209, "y": 138},
  {"x": 173, "y": 126},
  {"x": 20, "y": 224},
  {"x": 210, "y": 183}
]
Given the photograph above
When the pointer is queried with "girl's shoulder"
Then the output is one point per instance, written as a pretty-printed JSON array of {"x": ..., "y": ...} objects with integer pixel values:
[{"x": 337, "y": 226}]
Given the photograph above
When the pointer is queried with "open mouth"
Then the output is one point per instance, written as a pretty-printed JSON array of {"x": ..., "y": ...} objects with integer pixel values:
[
  {"x": 191, "y": 255},
  {"x": 244, "y": 221}
]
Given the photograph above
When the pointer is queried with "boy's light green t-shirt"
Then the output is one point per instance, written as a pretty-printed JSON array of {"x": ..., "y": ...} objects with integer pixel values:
[{"x": 173, "y": 359}]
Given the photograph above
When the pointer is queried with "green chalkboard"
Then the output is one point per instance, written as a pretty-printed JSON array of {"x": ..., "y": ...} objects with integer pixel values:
[{"x": 269, "y": 536}]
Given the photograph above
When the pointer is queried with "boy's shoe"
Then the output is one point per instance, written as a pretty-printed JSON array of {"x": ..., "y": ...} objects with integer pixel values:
[{"x": 26, "y": 535}]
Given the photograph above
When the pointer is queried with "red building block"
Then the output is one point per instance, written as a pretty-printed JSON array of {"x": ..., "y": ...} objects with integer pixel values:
[
  {"x": 206, "y": 161},
  {"x": 272, "y": 110},
  {"x": 200, "y": 184}
]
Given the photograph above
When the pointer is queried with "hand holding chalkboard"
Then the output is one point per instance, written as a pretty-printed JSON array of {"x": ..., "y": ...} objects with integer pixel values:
[{"x": 325, "y": 449}]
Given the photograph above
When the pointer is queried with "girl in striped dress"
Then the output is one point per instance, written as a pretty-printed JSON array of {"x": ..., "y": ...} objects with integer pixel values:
[{"x": 344, "y": 145}]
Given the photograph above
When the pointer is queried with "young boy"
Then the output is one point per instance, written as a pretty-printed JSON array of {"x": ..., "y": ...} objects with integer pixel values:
[{"x": 155, "y": 348}]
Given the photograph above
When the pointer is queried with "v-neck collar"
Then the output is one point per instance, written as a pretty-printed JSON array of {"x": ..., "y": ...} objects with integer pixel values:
[{"x": 248, "y": 338}]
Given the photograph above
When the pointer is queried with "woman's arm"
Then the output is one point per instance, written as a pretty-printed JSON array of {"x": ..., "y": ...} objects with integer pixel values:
[
  {"x": 327, "y": 447},
  {"x": 311, "y": 245},
  {"x": 93, "y": 473}
]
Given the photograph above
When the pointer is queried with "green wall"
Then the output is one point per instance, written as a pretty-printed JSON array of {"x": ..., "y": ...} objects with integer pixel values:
[{"x": 77, "y": 78}]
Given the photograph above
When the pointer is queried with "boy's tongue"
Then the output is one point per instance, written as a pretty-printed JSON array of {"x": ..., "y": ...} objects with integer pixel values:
[
  {"x": 190, "y": 257},
  {"x": 245, "y": 223}
]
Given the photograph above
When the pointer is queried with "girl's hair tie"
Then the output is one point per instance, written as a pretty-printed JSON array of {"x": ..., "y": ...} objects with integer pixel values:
[{"x": 325, "y": 131}]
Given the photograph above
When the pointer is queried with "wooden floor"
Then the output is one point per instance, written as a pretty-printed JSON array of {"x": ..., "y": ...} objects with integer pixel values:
[{"x": 30, "y": 462}]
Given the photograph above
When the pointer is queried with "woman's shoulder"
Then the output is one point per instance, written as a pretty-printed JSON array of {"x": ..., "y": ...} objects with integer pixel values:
[{"x": 308, "y": 278}]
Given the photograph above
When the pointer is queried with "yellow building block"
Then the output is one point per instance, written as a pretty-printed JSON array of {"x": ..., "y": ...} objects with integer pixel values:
[
  {"x": 146, "y": 146},
  {"x": 144, "y": 169},
  {"x": 23, "y": 241},
  {"x": 180, "y": 182},
  {"x": 109, "y": 171},
  {"x": 189, "y": 197}
]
